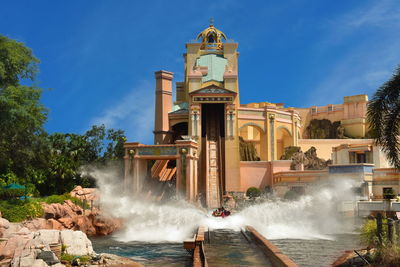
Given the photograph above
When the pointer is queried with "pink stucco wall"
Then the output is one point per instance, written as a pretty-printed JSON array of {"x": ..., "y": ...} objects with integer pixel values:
[{"x": 260, "y": 173}]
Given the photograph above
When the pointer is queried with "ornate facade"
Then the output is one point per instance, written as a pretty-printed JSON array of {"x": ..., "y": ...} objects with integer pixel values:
[{"x": 206, "y": 121}]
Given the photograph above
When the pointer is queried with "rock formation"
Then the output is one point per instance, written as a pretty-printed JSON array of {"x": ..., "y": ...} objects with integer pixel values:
[
  {"x": 85, "y": 194},
  {"x": 305, "y": 161},
  {"x": 20, "y": 247},
  {"x": 323, "y": 129},
  {"x": 248, "y": 151},
  {"x": 70, "y": 216}
]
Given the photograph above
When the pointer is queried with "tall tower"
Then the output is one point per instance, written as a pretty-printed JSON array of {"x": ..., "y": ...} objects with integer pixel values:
[
  {"x": 163, "y": 105},
  {"x": 211, "y": 90}
]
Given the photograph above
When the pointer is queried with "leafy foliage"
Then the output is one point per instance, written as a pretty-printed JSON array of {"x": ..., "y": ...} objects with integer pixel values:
[
  {"x": 44, "y": 163},
  {"x": 368, "y": 233},
  {"x": 19, "y": 210},
  {"x": 16, "y": 62},
  {"x": 61, "y": 198},
  {"x": 253, "y": 192},
  {"x": 383, "y": 116},
  {"x": 11, "y": 193},
  {"x": 21, "y": 124}
]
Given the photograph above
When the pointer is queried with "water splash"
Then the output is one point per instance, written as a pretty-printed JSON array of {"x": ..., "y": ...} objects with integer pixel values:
[{"x": 311, "y": 217}]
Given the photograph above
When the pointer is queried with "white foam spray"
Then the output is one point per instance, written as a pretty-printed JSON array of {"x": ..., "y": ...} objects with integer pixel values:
[{"x": 311, "y": 217}]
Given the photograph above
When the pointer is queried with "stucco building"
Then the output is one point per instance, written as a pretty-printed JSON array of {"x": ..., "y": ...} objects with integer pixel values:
[{"x": 197, "y": 137}]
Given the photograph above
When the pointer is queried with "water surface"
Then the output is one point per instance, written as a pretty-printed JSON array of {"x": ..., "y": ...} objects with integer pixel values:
[
  {"x": 148, "y": 254},
  {"x": 317, "y": 253}
]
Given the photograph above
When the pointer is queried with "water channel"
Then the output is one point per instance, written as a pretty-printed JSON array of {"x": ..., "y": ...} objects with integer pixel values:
[{"x": 232, "y": 251}]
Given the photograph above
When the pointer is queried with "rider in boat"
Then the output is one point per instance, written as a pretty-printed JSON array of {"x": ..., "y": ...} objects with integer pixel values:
[{"x": 221, "y": 212}]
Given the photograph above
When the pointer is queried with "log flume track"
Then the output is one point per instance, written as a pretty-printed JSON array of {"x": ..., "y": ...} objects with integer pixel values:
[{"x": 224, "y": 247}]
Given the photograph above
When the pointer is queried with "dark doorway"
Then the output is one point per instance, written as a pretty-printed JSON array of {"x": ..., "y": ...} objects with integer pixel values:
[
  {"x": 178, "y": 130},
  {"x": 213, "y": 147}
]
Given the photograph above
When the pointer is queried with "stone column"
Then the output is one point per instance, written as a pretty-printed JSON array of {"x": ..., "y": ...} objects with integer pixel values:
[
  {"x": 195, "y": 125},
  {"x": 127, "y": 169},
  {"x": 163, "y": 105},
  {"x": 272, "y": 135},
  {"x": 230, "y": 120},
  {"x": 186, "y": 180},
  {"x": 138, "y": 174}
]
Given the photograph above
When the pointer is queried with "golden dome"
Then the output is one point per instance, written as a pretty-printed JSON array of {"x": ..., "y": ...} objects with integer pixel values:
[{"x": 211, "y": 38}]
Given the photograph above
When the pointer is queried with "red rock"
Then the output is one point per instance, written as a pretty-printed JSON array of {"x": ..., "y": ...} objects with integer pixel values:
[
  {"x": 36, "y": 224},
  {"x": 54, "y": 224},
  {"x": 67, "y": 222},
  {"x": 84, "y": 224},
  {"x": 10, "y": 248},
  {"x": 106, "y": 225}
]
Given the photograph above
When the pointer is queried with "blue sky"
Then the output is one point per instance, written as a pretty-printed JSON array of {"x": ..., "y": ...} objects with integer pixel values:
[{"x": 99, "y": 57}]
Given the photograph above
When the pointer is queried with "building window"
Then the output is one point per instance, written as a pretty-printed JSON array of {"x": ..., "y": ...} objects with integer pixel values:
[
  {"x": 313, "y": 110},
  {"x": 388, "y": 193},
  {"x": 361, "y": 158},
  {"x": 330, "y": 108}
]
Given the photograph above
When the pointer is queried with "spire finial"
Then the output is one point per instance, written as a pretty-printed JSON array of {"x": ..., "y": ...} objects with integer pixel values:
[{"x": 211, "y": 21}]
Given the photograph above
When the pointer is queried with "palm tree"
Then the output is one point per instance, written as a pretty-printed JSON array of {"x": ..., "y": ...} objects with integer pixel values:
[{"x": 383, "y": 116}]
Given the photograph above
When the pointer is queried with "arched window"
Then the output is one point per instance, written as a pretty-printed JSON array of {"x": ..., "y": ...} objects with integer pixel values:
[
  {"x": 252, "y": 134},
  {"x": 283, "y": 140}
]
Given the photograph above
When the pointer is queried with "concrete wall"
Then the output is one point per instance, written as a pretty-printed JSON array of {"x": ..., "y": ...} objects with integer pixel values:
[
  {"x": 285, "y": 180},
  {"x": 379, "y": 158},
  {"x": 260, "y": 173},
  {"x": 276, "y": 257},
  {"x": 324, "y": 146},
  {"x": 351, "y": 114},
  {"x": 385, "y": 177}
]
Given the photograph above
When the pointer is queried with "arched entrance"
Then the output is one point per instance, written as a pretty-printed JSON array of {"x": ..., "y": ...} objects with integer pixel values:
[{"x": 283, "y": 140}]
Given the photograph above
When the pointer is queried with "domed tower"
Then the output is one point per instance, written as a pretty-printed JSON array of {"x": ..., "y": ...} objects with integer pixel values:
[{"x": 210, "y": 93}]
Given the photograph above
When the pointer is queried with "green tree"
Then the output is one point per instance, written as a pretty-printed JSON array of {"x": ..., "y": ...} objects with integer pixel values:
[
  {"x": 21, "y": 127},
  {"x": 383, "y": 116},
  {"x": 21, "y": 114},
  {"x": 16, "y": 62},
  {"x": 28, "y": 154}
]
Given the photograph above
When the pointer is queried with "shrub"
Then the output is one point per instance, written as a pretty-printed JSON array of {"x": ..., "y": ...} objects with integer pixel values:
[
  {"x": 19, "y": 210},
  {"x": 70, "y": 258},
  {"x": 61, "y": 198},
  {"x": 253, "y": 192},
  {"x": 368, "y": 233},
  {"x": 11, "y": 193},
  {"x": 387, "y": 256}
]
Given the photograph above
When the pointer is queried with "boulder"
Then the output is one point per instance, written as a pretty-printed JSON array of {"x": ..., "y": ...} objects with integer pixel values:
[
  {"x": 110, "y": 260},
  {"x": 24, "y": 231},
  {"x": 84, "y": 224},
  {"x": 67, "y": 222},
  {"x": 54, "y": 224},
  {"x": 76, "y": 243},
  {"x": 39, "y": 263},
  {"x": 85, "y": 194},
  {"x": 71, "y": 216},
  {"x": 48, "y": 236},
  {"x": 4, "y": 226},
  {"x": 48, "y": 256},
  {"x": 57, "y": 210},
  {"x": 4, "y": 223},
  {"x": 36, "y": 224},
  {"x": 105, "y": 225},
  {"x": 15, "y": 248}
]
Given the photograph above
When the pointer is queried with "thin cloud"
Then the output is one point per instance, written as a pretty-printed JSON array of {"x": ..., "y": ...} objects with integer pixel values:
[
  {"x": 369, "y": 62},
  {"x": 134, "y": 114}
]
